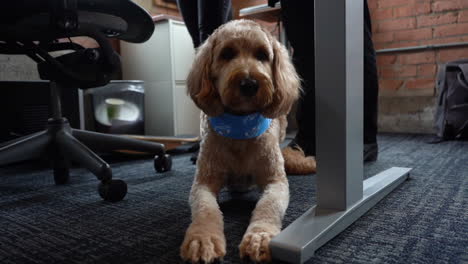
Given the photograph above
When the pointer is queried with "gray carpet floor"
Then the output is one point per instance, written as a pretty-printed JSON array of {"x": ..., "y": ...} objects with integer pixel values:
[{"x": 425, "y": 220}]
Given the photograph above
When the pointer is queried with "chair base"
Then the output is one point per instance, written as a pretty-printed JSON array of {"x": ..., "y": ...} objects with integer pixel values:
[{"x": 63, "y": 144}]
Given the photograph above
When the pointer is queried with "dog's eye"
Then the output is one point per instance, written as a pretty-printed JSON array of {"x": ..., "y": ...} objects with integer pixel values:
[
  {"x": 262, "y": 55},
  {"x": 228, "y": 53}
]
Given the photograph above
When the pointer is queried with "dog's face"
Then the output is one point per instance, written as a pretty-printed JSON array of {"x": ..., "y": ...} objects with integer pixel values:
[{"x": 242, "y": 69}]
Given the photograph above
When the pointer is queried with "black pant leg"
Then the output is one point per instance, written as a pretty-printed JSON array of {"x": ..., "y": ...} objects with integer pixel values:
[
  {"x": 371, "y": 82},
  {"x": 298, "y": 19},
  {"x": 202, "y": 17},
  {"x": 299, "y": 24},
  {"x": 189, "y": 11},
  {"x": 211, "y": 15}
]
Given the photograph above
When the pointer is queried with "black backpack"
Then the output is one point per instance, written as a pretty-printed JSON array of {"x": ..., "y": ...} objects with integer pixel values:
[{"x": 451, "y": 118}]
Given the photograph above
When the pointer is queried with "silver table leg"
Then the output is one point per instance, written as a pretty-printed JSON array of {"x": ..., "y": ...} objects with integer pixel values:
[
  {"x": 298, "y": 242},
  {"x": 342, "y": 195}
]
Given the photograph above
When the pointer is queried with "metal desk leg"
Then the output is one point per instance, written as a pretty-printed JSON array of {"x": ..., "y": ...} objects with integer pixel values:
[{"x": 342, "y": 195}]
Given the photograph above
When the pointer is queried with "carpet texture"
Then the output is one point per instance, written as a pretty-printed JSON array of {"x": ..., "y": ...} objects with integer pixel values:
[{"x": 425, "y": 220}]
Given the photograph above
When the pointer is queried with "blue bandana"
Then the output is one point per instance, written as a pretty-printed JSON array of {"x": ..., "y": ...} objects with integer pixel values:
[{"x": 240, "y": 127}]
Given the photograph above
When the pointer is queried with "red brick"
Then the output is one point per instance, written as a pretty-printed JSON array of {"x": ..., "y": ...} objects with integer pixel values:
[
  {"x": 412, "y": 10},
  {"x": 386, "y": 59},
  {"x": 427, "y": 70},
  {"x": 463, "y": 16},
  {"x": 396, "y": 45},
  {"x": 420, "y": 84},
  {"x": 402, "y": 11},
  {"x": 392, "y": 3},
  {"x": 382, "y": 14},
  {"x": 441, "y": 6},
  {"x": 452, "y": 54},
  {"x": 379, "y": 46},
  {"x": 441, "y": 41},
  {"x": 417, "y": 58},
  {"x": 390, "y": 84},
  {"x": 449, "y": 5},
  {"x": 439, "y": 67},
  {"x": 423, "y": 8},
  {"x": 407, "y": 71},
  {"x": 400, "y": 71},
  {"x": 372, "y": 4},
  {"x": 397, "y": 24},
  {"x": 414, "y": 34},
  {"x": 434, "y": 20},
  {"x": 383, "y": 37},
  {"x": 451, "y": 30}
]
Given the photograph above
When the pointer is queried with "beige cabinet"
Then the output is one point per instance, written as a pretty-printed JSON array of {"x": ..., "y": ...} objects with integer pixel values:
[{"x": 163, "y": 62}]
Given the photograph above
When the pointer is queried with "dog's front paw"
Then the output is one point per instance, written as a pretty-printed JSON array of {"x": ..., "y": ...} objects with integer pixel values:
[
  {"x": 201, "y": 244},
  {"x": 255, "y": 245}
]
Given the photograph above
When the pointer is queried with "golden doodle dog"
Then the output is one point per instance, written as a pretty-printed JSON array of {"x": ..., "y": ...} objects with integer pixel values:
[{"x": 244, "y": 82}]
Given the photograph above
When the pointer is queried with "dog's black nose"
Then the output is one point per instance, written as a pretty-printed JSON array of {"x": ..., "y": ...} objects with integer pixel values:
[{"x": 248, "y": 87}]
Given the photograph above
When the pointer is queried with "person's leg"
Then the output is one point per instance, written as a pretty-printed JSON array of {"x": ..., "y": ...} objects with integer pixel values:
[
  {"x": 371, "y": 91},
  {"x": 189, "y": 11},
  {"x": 211, "y": 15},
  {"x": 298, "y": 20},
  {"x": 298, "y": 23},
  {"x": 202, "y": 18}
]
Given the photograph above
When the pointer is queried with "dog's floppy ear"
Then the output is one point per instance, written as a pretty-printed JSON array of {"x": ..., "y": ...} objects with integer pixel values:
[
  {"x": 286, "y": 82},
  {"x": 200, "y": 85}
]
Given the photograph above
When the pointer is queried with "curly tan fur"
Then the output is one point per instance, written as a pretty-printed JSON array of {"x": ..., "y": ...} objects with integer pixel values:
[
  {"x": 297, "y": 163},
  {"x": 239, "y": 49}
]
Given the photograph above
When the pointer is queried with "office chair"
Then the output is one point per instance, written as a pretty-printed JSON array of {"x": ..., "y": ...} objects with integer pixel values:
[{"x": 36, "y": 28}]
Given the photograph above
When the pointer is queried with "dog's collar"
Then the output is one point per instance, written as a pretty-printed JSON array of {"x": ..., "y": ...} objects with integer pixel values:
[{"x": 240, "y": 127}]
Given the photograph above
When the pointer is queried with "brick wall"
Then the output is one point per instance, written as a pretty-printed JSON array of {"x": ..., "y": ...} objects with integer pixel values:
[{"x": 409, "y": 77}]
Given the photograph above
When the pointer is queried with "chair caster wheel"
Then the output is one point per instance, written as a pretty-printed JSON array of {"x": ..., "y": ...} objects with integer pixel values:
[
  {"x": 113, "y": 190},
  {"x": 61, "y": 175},
  {"x": 163, "y": 163}
]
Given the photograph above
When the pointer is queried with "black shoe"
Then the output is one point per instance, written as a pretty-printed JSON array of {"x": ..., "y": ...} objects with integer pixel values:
[
  {"x": 194, "y": 158},
  {"x": 371, "y": 151},
  {"x": 293, "y": 144},
  {"x": 302, "y": 145}
]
